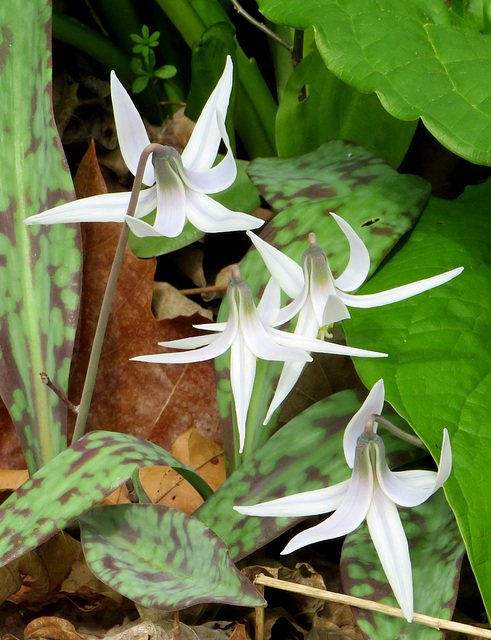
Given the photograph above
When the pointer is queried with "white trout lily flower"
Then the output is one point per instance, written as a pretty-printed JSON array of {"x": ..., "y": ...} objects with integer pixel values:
[
  {"x": 372, "y": 493},
  {"x": 248, "y": 336},
  {"x": 320, "y": 299},
  {"x": 178, "y": 183}
]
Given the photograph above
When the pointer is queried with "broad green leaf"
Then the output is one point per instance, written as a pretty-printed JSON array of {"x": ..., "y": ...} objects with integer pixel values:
[
  {"x": 72, "y": 483},
  {"x": 436, "y": 549},
  {"x": 39, "y": 267},
  {"x": 316, "y": 106},
  {"x": 379, "y": 203},
  {"x": 162, "y": 558},
  {"x": 419, "y": 56},
  {"x": 305, "y": 454},
  {"x": 438, "y": 373},
  {"x": 241, "y": 196}
]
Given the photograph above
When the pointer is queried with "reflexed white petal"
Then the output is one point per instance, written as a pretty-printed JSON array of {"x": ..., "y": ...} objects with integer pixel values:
[
  {"x": 390, "y": 542},
  {"x": 210, "y": 216},
  {"x": 291, "y": 310},
  {"x": 217, "y": 346},
  {"x": 407, "y": 494},
  {"x": 107, "y": 207},
  {"x": 417, "y": 478},
  {"x": 189, "y": 343},
  {"x": 142, "y": 229},
  {"x": 242, "y": 374},
  {"x": 201, "y": 150},
  {"x": 131, "y": 131},
  {"x": 350, "y": 513},
  {"x": 286, "y": 271},
  {"x": 211, "y": 326},
  {"x": 219, "y": 177},
  {"x": 334, "y": 310},
  {"x": 358, "y": 266},
  {"x": 171, "y": 200},
  {"x": 373, "y": 405},
  {"x": 309, "y": 503},
  {"x": 290, "y": 373},
  {"x": 398, "y": 293},
  {"x": 319, "y": 346},
  {"x": 265, "y": 346},
  {"x": 270, "y": 302}
]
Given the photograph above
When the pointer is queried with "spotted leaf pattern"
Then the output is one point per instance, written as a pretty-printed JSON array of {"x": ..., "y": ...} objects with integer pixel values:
[
  {"x": 73, "y": 482},
  {"x": 162, "y": 558},
  {"x": 39, "y": 268}
]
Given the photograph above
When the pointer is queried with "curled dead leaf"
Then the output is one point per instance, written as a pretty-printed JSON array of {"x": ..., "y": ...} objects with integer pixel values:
[{"x": 51, "y": 628}]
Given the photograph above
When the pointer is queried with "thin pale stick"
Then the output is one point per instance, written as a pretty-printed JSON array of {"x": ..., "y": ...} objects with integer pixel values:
[
  {"x": 331, "y": 596},
  {"x": 403, "y": 435},
  {"x": 261, "y": 26},
  {"x": 95, "y": 354},
  {"x": 259, "y": 617},
  {"x": 197, "y": 290}
]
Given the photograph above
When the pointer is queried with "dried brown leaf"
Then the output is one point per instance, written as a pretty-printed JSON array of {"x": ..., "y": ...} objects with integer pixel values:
[
  {"x": 51, "y": 628},
  {"x": 169, "y": 303},
  {"x": 152, "y": 401}
]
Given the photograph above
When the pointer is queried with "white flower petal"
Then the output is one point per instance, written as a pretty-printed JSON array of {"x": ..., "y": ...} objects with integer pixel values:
[
  {"x": 308, "y": 503},
  {"x": 290, "y": 373},
  {"x": 350, "y": 513},
  {"x": 264, "y": 345},
  {"x": 210, "y": 216},
  {"x": 398, "y": 293},
  {"x": 356, "y": 426},
  {"x": 202, "y": 148},
  {"x": 242, "y": 374},
  {"x": 131, "y": 131},
  {"x": 319, "y": 346},
  {"x": 358, "y": 266},
  {"x": 189, "y": 343},
  {"x": 407, "y": 494},
  {"x": 391, "y": 545},
  {"x": 286, "y": 271},
  {"x": 270, "y": 302},
  {"x": 219, "y": 177},
  {"x": 107, "y": 207},
  {"x": 334, "y": 310},
  {"x": 171, "y": 200}
]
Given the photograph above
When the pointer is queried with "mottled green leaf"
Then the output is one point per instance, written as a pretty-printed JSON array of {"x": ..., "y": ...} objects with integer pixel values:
[
  {"x": 39, "y": 268},
  {"x": 162, "y": 558},
  {"x": 305, "y": 454},
  {"x": 241, "y": 196},
  {"x": 73, "y": 482},
  {"x": 438, "y": 371},
  {"x": 419, "y": 56},
  {"x": 379, "y": 203},
  {"x": 316, "y": 106},
  {"x": 436, "y": 549}
]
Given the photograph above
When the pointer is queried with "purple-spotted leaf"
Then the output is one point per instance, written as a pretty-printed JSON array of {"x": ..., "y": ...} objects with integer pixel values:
[
  {"x": 305, "y": 454},
  {"x": 39, "y": 268},
  {"x": 436, "y": 549},
  {"x": 162, "y": 558},
  {"x": 74, "y": 482}
]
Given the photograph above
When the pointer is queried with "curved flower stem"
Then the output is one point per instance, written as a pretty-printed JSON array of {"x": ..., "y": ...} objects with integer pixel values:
[
  {"x": 403, "y": 435},
  {"x": 95, "y": 354}
]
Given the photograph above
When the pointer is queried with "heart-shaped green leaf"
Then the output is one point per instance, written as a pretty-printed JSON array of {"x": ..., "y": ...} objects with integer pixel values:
[
  {"x": 162, "y": 558},
  {"x": 438, "y": 373},
  {"x": 421, "y": 57},
  {"x": 73, "y": 482}
]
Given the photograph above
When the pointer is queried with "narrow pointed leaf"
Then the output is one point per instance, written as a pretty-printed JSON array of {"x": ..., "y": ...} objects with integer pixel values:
[
  {"x": 73, "y": 482},
  {"x": 39, "y": 268},
  {"x": 162, "y": 558}
]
